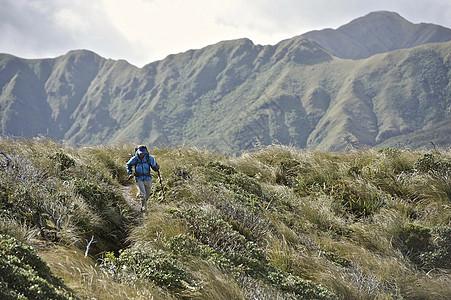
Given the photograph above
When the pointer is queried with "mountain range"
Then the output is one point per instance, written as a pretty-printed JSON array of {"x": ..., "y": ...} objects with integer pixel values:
[{"x": 378, "y": 81}]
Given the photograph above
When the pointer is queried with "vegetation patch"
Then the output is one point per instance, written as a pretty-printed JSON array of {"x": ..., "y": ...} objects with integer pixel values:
[
  {"x": 157, "y": 266},
  {"x": 274, "y": 223},
  {"x": 23, "y": 274},
  {"x": 427, "y": 247}
]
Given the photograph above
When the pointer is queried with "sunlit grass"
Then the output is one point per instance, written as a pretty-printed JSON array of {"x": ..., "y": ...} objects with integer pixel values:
[
  {"x": 88, "y": 281},
  {"x": 341, "y": 220}
]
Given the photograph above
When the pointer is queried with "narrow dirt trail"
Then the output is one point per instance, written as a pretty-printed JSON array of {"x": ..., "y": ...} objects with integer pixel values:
[{"x": 127, "y": 192}]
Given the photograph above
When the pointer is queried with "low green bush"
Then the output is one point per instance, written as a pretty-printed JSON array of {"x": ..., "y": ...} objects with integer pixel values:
[
  {"x": 218, "y": 173},
  {"x": 157, "y": 266},
  {"x": 431, "y": 163},
  {"x": 23, "y": 275},
  {"x": 439, "y": 252},
  {"x": 415, "y": 240}
]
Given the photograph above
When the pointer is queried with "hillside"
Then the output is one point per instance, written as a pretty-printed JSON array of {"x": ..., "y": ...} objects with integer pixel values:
[
  {"x": 274, "y": 223},
  {"x": 234, "y": 95}
]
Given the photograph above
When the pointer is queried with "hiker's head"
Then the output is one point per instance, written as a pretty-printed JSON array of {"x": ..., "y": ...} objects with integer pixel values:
[{"x": 142, "y": 150}]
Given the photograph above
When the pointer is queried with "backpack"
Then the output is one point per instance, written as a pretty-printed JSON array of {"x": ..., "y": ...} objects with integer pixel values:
[{"x": 145, "y": 155}]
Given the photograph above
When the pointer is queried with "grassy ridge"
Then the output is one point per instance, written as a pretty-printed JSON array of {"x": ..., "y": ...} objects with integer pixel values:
[{"x": 274, "y": 223}]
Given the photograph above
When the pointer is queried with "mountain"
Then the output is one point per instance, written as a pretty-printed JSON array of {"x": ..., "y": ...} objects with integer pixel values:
[
  {"x": 377, "y": 32},
  {"x": 371, "y": 82}
]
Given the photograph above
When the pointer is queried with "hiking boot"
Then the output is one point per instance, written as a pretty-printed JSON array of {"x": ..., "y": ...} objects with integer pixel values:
[{"x": 143, "y": 211}]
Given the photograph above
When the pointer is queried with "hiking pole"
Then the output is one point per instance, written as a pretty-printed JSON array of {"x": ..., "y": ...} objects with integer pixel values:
[
  {"x": 161, "y": 182},
  {"x": 8, "y": 160}
]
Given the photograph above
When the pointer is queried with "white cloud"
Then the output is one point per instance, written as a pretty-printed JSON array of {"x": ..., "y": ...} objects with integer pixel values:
[{"x": 166, "y": 27}]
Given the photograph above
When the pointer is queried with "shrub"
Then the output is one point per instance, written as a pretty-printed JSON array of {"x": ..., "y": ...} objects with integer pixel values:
[
  {"x": 362, "y": 200},
  {"x": 415, "y": 239},
  {"x": 287, "y": 172},
  {"x": 23, "y": 275},
  {"x": 97, "y": 195},
  {"x": 303, "y": 288},
  {"x": 158, "y": 266},
  {"x": 428, "y": 164},
  {"x": 247, "y": 221},
  {"x": 218, "y": 173},
  {"x": 63, "y": 160},
  {"x": 440, "y": 254},
  {"x": 218, "y": 234}
]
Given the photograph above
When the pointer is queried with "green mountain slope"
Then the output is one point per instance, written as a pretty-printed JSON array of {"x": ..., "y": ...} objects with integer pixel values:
[{"x": 234, "y": 94}]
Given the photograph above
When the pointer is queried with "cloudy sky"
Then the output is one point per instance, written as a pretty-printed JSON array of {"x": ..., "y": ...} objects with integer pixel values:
[{"x": 143, "y": 31}]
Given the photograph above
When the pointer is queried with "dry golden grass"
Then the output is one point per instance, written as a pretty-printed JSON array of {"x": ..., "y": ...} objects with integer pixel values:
[
  {"x": 310, "y": 231},
  {"x": 88, "y": 281},
  {"x": 157, "y": 228}
]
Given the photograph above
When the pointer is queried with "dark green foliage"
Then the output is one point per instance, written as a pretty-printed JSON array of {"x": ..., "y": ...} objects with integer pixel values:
[
  {"x": 288, "y": 172},
  {"x": 100, "y": 196},
  {"x": 64, "y": 161},
  {"x": 315, "y": 176},
  {"x": 428, "y": 164},
  {"x": 336, "y": 258},
  {"x": 416, "y": 240},
  {"x": 246, "y": 219},
  {"x": 394, "y": 162},
  {"x": 182, "y": 244},
  {"x": 427, "y": 247},
  {"x": 440, "y": 170},
  {"x": 219, "y": 235},
  {"x": 304, "y": 289},
  {"x": 440, "y": 254},
  {"x": 239, "y": 182},
  {"x": 23, "y": 275},
  {"x": 158, "y": 266},
  {"x": 361, "y": 201}
]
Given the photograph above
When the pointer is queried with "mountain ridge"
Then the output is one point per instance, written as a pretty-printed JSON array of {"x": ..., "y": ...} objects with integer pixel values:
[
  {"x": 231, "y": 95},
  {"x": 361, "y": 37}
]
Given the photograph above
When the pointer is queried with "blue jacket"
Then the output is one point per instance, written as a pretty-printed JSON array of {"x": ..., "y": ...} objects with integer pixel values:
[{"x": 142, "y": 167}]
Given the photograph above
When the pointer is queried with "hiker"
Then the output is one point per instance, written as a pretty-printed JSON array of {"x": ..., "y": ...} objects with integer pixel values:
[{"x": 143, "y": 162}]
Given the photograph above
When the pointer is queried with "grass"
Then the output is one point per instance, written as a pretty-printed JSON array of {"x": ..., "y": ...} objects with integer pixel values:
[
  {"x": 274, "y": 223},
  {"x": 89, "y": 281}
]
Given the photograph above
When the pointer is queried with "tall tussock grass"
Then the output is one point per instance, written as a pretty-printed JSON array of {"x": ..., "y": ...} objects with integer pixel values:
[{"x": 274, "y": 223}]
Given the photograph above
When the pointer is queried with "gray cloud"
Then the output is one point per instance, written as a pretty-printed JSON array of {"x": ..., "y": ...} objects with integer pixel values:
[{"x": 40, "y": 28}]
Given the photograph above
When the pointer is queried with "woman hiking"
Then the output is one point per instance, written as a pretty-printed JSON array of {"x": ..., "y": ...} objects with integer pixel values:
[{"x": 143, "y": 162}]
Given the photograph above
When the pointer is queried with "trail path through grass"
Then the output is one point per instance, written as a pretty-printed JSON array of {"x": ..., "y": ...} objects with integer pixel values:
[{"x": 135, "y": 206}]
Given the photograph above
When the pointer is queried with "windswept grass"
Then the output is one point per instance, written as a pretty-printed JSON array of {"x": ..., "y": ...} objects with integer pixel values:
[
  {"x": 89, "y": 281},
  {"x": 275, "y": 223}
]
